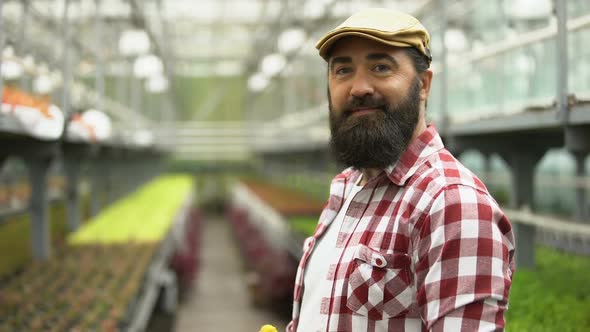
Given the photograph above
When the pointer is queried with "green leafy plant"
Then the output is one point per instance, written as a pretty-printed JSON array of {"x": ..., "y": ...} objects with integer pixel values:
[
  {"x": 144, "y": 216},
  {"x": 554, "y": 297},
  {"x": 304, "y": 225},
  {"x": 81, "y": 287},
  {"x": 15, "y": 235}
]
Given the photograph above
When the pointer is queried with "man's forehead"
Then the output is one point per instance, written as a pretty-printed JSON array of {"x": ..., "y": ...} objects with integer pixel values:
[{"x": 360, "y": 47}]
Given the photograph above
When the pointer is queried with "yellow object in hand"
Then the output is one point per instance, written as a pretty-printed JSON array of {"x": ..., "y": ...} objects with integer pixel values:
[{"x": 268, "y": 328}]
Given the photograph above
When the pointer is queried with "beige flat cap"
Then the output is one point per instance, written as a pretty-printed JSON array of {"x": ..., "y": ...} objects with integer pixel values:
[{"x": 383, "y": 25}]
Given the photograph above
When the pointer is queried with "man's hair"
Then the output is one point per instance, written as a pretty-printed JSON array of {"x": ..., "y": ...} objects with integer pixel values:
[{"x": 421, "y": 63}]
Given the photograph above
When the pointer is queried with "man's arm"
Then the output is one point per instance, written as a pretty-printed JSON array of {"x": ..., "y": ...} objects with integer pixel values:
[{"x": 465, "y": 262}]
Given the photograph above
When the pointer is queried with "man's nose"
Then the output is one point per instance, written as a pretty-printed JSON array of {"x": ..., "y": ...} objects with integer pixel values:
[{"x": 361, "y": 85}]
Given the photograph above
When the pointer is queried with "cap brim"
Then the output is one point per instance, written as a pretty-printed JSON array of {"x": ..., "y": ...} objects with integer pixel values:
[{"x": 325, "y": 44}]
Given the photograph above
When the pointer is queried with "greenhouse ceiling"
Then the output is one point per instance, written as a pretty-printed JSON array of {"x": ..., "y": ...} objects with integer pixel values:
[
  {"x": 204, "y": 37},
  {"x": 188, "y": 47}
]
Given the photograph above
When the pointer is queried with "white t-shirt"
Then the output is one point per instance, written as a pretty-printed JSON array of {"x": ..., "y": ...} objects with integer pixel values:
[{"x": 317, "y": 268}]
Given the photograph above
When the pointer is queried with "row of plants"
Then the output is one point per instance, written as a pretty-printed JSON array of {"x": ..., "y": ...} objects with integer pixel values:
[
  {"x": 92, "y": 283},
  {"x": 286, "y": 201},
  {"x": 144, "y": 216},
  {"x": 15, "y": 235},
  {"x": 185, "y": 261},
  {"x": 272, "y": 270},
  {"x": 90, "y": 288},
  {"x": 311, "y": 191}
]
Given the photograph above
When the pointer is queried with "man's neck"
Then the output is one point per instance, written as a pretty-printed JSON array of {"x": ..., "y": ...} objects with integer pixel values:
[
  {"x": 421, "y": 127},
  {"x": 368, "y": 174}
]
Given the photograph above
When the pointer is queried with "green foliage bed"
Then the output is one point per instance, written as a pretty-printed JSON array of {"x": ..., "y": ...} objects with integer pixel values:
[
  {"x": 91, "y": 285},
  {"x": 303, "y": 225},
  {"x": 15, "y": 235},
  {"x": 555, "y": 297},
  {"x": 90, "y": 288},
  {"x": 143, "y": 216}
]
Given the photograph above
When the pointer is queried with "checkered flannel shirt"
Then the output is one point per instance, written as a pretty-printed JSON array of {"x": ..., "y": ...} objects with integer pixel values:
[{"x": 423, "y": 246}]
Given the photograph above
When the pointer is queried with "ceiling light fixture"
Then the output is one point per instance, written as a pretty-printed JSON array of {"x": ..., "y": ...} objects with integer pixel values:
[{"x": 134, "y": 43}]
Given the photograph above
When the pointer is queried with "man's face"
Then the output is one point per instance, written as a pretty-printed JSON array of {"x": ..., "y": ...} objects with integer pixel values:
[{"x": 374, "y": 96}]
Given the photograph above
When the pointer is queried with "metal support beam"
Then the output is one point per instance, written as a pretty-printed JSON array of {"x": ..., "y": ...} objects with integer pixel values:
[
  {"x": 123, "y": 92},
  {"x": 72, "y": 167},
  {"x": 96, "y": 186},
  {"x": 522, "y": 167},
  {"x": 110, "y": 170},
  {"x": 66, "y": 67},
  {"x": 173, "y": 104},
  {"x": 562, "y": 61},
  {"x": 161, "y": 47},
  {"x": 99, "y": 53},
  {"x": 1, "y": 44},
  {"x": 112, "y": 164},
  {"x": 487, "y": 165},
  {"x": 38, "y": 168},
  {"x": 22, "y": 47},
  {"x": 136, "y": 92},
  {"x": 581, "y": 199},
  {"x": 577, "y": 141},
  {"x": 125, "y": 176}
]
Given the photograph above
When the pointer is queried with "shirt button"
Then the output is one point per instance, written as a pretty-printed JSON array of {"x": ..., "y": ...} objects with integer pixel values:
[{"x": 379, "y": 262}]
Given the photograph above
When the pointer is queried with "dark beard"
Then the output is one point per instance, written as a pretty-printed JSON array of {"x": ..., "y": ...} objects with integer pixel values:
[{"x": 374, "y": 140}]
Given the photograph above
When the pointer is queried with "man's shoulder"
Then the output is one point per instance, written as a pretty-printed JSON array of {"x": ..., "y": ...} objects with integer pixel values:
[
  {"x": 346, "y": 174},
  {"x": 442, "y": 170}
]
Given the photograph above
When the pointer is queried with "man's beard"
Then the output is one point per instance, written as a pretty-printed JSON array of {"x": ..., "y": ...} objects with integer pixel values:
[{"x": 374, "y": 140}]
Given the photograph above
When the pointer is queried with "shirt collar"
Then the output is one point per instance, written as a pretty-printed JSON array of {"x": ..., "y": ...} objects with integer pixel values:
[
  {"x": 414, "y": 156},
  {"x": 418, "y": 151}
]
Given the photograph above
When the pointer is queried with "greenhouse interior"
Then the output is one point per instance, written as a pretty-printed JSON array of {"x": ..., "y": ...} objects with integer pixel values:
[{"x": 164, "y": 164}]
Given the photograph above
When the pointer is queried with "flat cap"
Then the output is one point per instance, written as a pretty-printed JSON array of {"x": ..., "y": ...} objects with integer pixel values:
[{"x": 388, "y": 26}]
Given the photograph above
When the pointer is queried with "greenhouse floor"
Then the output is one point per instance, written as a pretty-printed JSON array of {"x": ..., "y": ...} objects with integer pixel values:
[{"x": 219, "y": 299}]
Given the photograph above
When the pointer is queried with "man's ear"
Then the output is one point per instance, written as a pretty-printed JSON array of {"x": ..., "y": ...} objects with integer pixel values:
[{"x": 426, "y": 81}]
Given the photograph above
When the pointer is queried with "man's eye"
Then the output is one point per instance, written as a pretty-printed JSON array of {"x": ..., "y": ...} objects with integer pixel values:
[
  {"x": 381, "y": 68},
  {"x": 343, "y": 70}
]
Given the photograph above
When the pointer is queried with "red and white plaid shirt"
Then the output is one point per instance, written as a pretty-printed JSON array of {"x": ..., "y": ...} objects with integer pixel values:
[{"x": 423, "y": 246}]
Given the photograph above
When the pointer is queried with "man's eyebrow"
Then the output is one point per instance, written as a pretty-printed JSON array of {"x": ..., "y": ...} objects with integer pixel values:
[
  {"x": 383, "y": 56},
  {"x": 339, "y": 59}
]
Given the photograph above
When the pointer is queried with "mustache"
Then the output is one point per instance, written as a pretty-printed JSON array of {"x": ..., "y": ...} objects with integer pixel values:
[{"x": 363, "y": 102}]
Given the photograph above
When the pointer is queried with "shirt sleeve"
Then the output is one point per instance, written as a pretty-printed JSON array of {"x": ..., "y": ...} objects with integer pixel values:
[{"x": 465, "y": 249}]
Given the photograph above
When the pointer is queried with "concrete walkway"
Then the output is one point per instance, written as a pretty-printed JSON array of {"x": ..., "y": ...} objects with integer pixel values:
[{"x": 219, "y": 301}]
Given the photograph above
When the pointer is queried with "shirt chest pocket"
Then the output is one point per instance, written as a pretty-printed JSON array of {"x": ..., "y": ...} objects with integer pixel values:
[{"x": 379, "y": 284}]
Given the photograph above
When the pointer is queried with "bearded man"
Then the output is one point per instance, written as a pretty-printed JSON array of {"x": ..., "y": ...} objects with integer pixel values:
[{"x": 410, "y": 239}]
